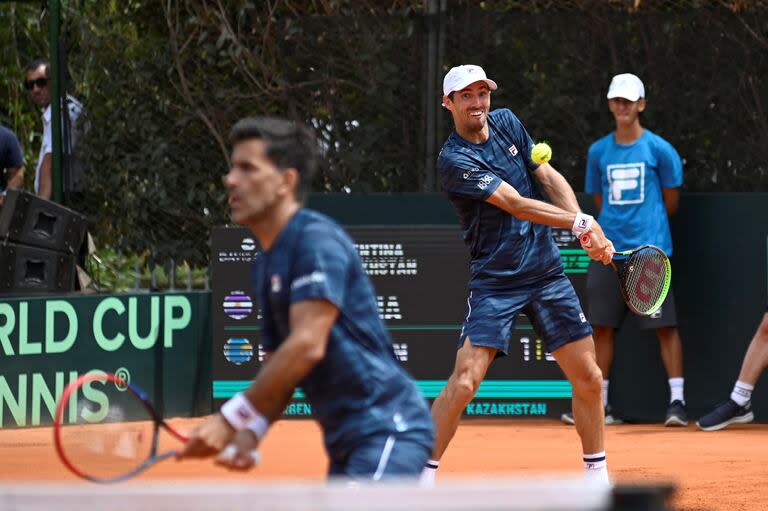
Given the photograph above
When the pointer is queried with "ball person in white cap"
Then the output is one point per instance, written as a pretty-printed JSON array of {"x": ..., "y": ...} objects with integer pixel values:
[
  {"x": 486, "y": 170},
  {"x": 634, "y": 177}
]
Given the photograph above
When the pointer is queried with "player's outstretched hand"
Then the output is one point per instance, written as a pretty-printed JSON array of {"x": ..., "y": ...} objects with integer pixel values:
[
  {"x": 208, "y": 438},
  {"x": 241, "y": 453},
  {"x": 598, "y": 247}
]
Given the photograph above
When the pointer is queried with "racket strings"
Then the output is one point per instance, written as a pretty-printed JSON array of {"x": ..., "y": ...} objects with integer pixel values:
[
  {"x": 98, "y": 439},
  {"x": 645, "y": 279}
]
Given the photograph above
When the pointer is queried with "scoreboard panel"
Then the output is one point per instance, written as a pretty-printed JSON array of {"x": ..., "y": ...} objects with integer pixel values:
[{"x": 420, "y": 274}]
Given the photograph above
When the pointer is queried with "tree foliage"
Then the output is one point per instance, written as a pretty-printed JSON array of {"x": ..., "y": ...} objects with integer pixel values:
[{"x": 163, "y": 81}]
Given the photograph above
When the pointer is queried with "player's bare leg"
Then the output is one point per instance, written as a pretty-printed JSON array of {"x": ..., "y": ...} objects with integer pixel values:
[
  {"x": 756, "y": 359},
  {"x": 671, "y": 351},
  {"x": 738, "y": 409},
  {"x": 604, "y": 340},
  {"x": 578, "y": 362},
  {"x": 672, "y": 355},
  {"x": 471, "y": 365}
]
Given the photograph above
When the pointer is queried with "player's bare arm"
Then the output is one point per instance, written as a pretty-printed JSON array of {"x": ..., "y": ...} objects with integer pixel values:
[
  {"x": 15, "y": 178},
  {"x": 556, "y": 187},
  {"x": 46, "y": 179},
  {"x": 310, "y": 323},
  {"x": 245, "y": 442},
  {"x": 671, "y": 199},
  {"x": 507, "y": 198}
]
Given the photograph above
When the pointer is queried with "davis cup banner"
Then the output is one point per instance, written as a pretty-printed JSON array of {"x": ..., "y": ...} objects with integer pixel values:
[
  {"x": 420, "y": 274},
  {"x": 46, "y": 342}
]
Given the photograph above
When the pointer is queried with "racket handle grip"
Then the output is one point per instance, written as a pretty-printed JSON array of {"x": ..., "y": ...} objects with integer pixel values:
[{"x": 586, "y": 242}]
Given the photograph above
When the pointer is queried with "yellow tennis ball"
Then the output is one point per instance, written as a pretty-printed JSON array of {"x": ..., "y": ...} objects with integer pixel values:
[{"x": 541, "y": 153}]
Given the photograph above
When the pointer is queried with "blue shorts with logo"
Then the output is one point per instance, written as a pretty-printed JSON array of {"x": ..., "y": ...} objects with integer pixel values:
[{"x": 551, "y": 305}]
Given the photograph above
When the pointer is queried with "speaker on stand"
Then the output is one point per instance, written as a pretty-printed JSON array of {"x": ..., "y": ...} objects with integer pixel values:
[{"x": 39, "y": 244}]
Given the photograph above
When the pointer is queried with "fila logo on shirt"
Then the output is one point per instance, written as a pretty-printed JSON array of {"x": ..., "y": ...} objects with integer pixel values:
[
  {"x": 277, "y": 285},
  {"x": 626, "y": 183},
  {"x": 513, "y": 150}
]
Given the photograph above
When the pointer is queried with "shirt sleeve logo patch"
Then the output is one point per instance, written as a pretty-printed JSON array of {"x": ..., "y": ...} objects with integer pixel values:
[
  {"x": 513, "y": 150},
  {"x": 316, "y": 277},
  {"x": 468, "y": 173},
  {"x": 484, "y": 182}
]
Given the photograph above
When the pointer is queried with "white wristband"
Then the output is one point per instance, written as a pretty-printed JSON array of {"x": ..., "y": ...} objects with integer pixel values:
[
  {"x": 259, "y": 425},
  {"x": 582, "y": 224},
  {"x": 241, "y": 414}
]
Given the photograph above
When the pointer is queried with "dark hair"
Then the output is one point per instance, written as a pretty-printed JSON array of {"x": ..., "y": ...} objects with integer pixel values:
[
  {"x": 32, "y": 66},
  {"x": 288, "y": 145}
]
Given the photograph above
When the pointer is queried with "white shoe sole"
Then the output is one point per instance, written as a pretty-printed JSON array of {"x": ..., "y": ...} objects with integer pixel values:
[
  {"x": 675, "y": 421},
  {"x": 742, "y": 419},
  {"x": 609, "y": 421}
]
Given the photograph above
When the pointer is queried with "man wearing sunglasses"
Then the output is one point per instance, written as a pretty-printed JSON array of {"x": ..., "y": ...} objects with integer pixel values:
[
  {"x": 11, "y": 163},
  {"x": 37, "y": 83}
]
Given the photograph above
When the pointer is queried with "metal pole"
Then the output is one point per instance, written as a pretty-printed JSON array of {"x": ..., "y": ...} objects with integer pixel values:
[
  {"x": 55, "y": 75},
  {"x": 440, "y": 58},
  {"x": 430, "y": 99}
]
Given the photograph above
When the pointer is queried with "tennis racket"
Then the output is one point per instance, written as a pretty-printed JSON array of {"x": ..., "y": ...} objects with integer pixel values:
[
  {"x": 107, "y": 431},
  {"x": 644, "y": 275}
]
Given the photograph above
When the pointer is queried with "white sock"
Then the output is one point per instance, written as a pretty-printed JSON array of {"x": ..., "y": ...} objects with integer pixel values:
[
  {"x": 676, "y": 389},
  {"x": 742, "y": 393},
  {"x": 596, "y": 468},
  {"x": 605, "y": 392},
  {"x": 428, "y": 473}
]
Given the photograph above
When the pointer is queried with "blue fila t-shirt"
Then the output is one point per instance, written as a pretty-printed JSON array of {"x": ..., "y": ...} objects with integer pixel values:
[
  {"x": 505, "y": 251},
  {"x": 359, "y": 388},
  {"x": 631, "y": 178}
]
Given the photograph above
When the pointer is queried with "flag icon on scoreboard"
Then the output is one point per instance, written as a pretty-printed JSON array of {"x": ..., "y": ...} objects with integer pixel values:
[
  {"x": 238, "y": 305},
  {"x": 238, "y": 350}
]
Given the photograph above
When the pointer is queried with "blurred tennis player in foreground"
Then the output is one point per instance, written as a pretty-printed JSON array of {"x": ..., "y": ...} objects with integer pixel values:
[
  {"x": 320, "y": 324},
  {"x": 489, "y": 177}
]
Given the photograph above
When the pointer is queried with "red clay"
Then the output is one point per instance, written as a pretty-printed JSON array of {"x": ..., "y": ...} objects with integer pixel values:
[{"x": 725, "y": 470}]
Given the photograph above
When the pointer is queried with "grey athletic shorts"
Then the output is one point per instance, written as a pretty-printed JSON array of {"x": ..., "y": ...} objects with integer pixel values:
[{"x": 606, "y": 307}]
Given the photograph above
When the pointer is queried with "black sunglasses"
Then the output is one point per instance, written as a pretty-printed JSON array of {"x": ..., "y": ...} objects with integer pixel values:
[{"x": 40, "y": 82}]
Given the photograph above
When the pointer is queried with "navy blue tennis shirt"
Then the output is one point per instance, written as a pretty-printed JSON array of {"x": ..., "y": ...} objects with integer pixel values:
[
  {"x": 505, "y": 251},
  {"x": 10, "y": 154},
  {"x": 359, "y": 388}
]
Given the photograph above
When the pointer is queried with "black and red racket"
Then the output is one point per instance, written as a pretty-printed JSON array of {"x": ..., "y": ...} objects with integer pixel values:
[
  {"x": 645, "y": 275},
  {"x": 107, "y": 431}
]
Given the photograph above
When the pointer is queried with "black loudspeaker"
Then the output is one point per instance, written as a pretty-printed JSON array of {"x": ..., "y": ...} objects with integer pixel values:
[
  {"x": 30, "y": 220},
  {"x": 25, "y": 270}
]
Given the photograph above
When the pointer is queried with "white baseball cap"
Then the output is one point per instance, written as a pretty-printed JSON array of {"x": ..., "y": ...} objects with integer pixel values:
[
  {"x": 460, "y": 77},
  {"x": 627, "y": 86}
]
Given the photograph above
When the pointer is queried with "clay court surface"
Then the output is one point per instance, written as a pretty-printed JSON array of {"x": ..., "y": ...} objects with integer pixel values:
[{"x": 722, "y": 470}]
